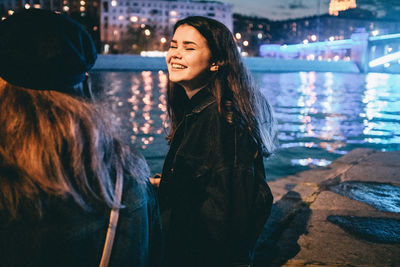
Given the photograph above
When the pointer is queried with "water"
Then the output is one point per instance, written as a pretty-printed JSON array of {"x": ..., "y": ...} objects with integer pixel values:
[
  {"x": 384, "y": 197},
  {"x": 321, "y": 116}
]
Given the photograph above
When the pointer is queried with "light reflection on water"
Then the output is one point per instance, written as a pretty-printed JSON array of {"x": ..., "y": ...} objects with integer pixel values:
[{"x": 321, "y": 115}]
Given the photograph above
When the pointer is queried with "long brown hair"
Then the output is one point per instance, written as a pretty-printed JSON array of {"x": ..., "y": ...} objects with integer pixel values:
[
  {"x": 239, "y": 101},
  {"x": 54, "y": 144}
]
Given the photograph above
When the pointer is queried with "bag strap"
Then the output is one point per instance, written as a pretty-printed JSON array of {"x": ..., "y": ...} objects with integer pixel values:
[{"x": 112, "y": 226}]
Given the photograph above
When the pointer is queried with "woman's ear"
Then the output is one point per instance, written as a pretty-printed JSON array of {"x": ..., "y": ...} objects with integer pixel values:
[{"x": 214, "y": 67}]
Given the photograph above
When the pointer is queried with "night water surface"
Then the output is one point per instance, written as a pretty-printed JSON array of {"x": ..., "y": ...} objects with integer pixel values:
[{"x": 321, "y": 116}]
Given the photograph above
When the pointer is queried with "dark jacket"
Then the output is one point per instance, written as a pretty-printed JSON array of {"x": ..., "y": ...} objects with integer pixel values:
[
  {"x": 212, "y": 190},
  {"x": 69, "y": 236}
]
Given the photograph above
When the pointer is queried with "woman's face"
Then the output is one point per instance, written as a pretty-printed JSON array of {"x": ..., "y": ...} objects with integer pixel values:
[{"x": 188, "y": 58}]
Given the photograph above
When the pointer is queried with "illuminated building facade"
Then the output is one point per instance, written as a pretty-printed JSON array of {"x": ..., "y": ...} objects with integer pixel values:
[
  {"x": 120, "y": 18},
  {"x": 251, "y": 32},
  {"x": 335, "y": 6}
]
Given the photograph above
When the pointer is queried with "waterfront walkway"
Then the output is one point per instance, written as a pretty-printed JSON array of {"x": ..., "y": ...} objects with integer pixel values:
[{"x": 345, "y": 214}]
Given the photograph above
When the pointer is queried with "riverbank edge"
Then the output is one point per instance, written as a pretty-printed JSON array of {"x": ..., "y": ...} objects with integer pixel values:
[
  {"x": 299, "y": 232},
  {"x": 255, "y": 64}
]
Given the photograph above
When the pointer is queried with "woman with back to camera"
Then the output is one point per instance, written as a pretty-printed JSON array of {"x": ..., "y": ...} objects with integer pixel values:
[
  {"x": 213, "y": 181},
  {"x": 60, "y": 162}
]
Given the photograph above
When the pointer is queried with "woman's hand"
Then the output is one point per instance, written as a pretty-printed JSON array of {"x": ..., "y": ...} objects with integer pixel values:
[{"x": 155, "y": 181}]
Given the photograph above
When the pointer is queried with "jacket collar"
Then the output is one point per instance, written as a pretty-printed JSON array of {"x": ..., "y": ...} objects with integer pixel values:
[{"x": 200, "y": 100}]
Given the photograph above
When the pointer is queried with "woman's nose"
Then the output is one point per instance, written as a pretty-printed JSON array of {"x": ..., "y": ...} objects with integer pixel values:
[{"x": 176, "y": 53}]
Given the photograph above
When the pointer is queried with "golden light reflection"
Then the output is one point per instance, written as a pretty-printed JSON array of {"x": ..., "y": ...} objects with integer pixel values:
[
  {"x": 135, "y": 106},
  {"x": 163, "y": 82},
  {"x": 146, "y": 129}
]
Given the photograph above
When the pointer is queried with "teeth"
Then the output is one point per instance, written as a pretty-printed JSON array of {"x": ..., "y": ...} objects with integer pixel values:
[{"x": 178, "y": 66}]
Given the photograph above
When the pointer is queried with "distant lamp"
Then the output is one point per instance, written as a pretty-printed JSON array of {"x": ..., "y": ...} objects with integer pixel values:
[
  {"x": 82, "y": 3},
  {"x": 259, "y": 36},
  {"x": 114, "y": 3},
  {"x": 27, "y": 6},
  {"x": 313, "y": 38},
  {"x": 133, "y": 18},
  {"x": 10, "y": 12},
  {"x": 332, "y": 38},
  {"x": 106, "y": 48},
  {"x": 82, "y": 9},
  {"x": 245, "y": 43},
  {"x": 305, "y": 41},
  {"x": 238, "y": 36},
  {"x": 147, "y": 32},
  {"x": 375, "y": 32},
  {"x": 163, "y": 40}
]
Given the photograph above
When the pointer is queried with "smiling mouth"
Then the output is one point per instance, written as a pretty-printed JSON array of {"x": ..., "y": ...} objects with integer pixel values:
[{"x": 178, "y": 66}]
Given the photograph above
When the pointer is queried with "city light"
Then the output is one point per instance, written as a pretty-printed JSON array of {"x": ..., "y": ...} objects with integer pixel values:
[
  {"x": 245, "y": 43},
  {"x": 313, "y": 38},
  {"x": 10, "y": 12},
  {"x": 163, "y": 40},
  {"x": 82, "y": 9},
  {"x": 113, "y": 3},
  {"x": 27, "y": 6},
  {"x": 375, "y": 32},
  {"x": 259, "y": 35},
  {"x": 238, "y": 36},
  {"x": 82, "y": 3},
  {"x": 147, "y": 32},
  {"x": 120, "y": 17},
  {"x": 66, "y": 8},
  {"x": 133, "y": 18}
]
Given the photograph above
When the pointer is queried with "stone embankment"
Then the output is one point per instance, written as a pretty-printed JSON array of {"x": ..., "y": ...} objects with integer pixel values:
[{"x": 345, "y": 214}]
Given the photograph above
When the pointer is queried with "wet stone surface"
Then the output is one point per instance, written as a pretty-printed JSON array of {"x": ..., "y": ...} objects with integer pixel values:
[
  {"x": 383, "y": 197},
  {"x": 377, "y": 230}
]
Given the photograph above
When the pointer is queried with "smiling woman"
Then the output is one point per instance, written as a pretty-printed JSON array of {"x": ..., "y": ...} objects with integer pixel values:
[
  {"x": 213, "y": 192},
  {"x": 188, "y": 60}
]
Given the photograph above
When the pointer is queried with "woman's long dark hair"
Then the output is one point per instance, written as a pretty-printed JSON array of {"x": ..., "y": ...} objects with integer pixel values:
[
  {"x": 53, "y": 144},
  {"x": 238, "y": 100}
]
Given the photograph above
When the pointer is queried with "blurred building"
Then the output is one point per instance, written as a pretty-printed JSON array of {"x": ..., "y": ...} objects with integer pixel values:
[
  {"x": 148, "y": 23},
  {"x": 327, "y": 27},
  {"x": 251, "y": 32},
  {"x": 8, "y": 6}
]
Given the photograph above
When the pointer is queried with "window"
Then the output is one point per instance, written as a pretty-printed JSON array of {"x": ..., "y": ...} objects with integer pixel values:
[{"x": 105, "y": 6}]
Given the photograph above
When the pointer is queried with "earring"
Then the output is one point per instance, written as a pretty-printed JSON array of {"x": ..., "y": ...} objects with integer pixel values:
[{"x": 214, "y": 67}]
